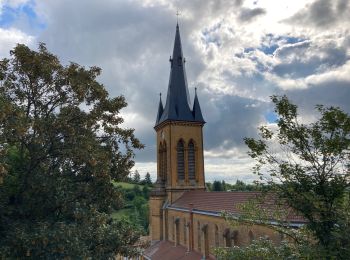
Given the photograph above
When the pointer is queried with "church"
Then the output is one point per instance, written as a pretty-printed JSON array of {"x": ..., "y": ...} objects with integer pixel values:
[{"x": 185, "y": 219}]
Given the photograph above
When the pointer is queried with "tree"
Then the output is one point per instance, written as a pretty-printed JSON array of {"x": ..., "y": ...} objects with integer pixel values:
[
  {"x": 309, "y": 170},
  {"x": 148, "y": 180},
  {"x": 223, "y": 184},
  {"x": 136, "y": 179},
  {"x": 217, "y": 186},
  {"x": 61, "y": 146}
]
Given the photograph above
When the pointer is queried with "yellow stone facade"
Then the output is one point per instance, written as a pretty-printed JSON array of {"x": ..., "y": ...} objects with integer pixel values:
[
  {"x": 168, "y": 135},
  {"x": 210, "y": 232}
]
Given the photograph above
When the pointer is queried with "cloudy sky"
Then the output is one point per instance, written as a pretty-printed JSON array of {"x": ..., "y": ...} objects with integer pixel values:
[{"x": 238, "y": 54}]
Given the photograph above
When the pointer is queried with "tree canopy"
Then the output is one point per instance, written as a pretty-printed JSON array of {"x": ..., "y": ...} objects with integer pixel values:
[
  {"x": 307, "y": 164},
  {"x": 61, "y": 146}
]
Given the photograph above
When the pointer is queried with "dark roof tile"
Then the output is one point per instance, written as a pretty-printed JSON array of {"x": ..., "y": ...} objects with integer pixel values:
[{"x": 227, "y": 201}]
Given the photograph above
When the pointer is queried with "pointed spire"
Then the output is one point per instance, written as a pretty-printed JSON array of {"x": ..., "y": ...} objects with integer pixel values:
[
  {"x": 177, "y": 106},
  {"x": 160, "y": 108},
  {"x": 196, "y": 111}
]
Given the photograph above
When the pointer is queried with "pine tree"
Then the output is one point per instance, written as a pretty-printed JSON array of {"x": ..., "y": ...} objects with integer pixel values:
[
  {"x": 148, "y": 180},
  {"x": 136, "y": 179}
]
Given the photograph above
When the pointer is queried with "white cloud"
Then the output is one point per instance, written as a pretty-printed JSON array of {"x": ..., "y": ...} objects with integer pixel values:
[
  {"x": 236, "y": 64},
  {"x": 10, "y": 37}
]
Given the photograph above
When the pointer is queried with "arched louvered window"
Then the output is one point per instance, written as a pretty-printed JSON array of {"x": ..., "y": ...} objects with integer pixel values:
[
  {"x": 164, "y": 162},
  {"x": 180, "y": 160},
  {"x": 191, "y": 161},
  {"x": 160, "y": 158}
]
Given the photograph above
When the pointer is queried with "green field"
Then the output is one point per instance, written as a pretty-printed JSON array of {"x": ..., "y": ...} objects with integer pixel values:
[
  {"x": 122, "y": 213},
  {"x": 127, "y": 186}
]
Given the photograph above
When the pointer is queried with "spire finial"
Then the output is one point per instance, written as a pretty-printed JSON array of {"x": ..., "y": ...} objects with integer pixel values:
[
  {"x": 177, "y": 16},
  {"x": 160, "y": 94}
]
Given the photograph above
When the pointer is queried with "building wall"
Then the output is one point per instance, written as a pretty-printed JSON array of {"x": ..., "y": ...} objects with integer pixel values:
[
  {"x": 156, "y": 217},
  {"x": 171, "y": 133},
  {"x": 240, "y": 235}
]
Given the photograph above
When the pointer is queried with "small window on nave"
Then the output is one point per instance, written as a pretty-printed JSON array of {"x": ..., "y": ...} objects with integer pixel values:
[
  {"x": 177, "y": 230},
  {"x": 251, "y": 236},
  {"x": 185, "y": 232},
  {"x": 217, "y": 242},
  {"x": 227, "y": 237},
  {"x": 199, "y": 236}
]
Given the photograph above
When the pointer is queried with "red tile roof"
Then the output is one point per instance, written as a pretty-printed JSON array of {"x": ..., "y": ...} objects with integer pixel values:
[
  {"x": 165, "y": 250},
  {"x": 216, "y": 202}
]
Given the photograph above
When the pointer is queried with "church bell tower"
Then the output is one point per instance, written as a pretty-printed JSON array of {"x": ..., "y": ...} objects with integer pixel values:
[{"x": 179, "y": 129}]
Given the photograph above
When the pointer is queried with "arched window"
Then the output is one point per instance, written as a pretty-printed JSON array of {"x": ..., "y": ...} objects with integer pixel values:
[
  {"x": 173, "y": 229},
  {"x": 251, "y": 236},
  {"x": 191, "y": 161},
  {"x": 185, "y": 232},
  {"x": 177, "y": 230},
  {"x": 217, "y": 243},
  {"x": 206, "y": 241},
  {"x": 180, "y": 160},
  {"x": 164, "y": 162},
  {"x": 234, "y": 237},
  {"x": 227, "y": 236},
  {"x": 199, "y": 236}
]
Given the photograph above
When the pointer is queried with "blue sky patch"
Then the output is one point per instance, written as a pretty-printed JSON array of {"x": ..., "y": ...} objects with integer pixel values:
[
  {"x": 271, "y": 117},
  {"x": 21, "y": 16},
  {"x": 271, "y": 42}
]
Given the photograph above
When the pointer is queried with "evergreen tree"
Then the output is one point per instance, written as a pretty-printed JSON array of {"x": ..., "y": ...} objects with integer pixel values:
[
  {"x": 217, "y": 186},
  {"x": 148, "y": 180},
  {"x": 223, "y": 185},
  {"x": 136, "y": 179},
  {"x": 60, "y": 150}
]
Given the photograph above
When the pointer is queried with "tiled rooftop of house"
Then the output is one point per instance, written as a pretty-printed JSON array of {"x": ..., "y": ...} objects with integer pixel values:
[{"x": 217, "y": 202}]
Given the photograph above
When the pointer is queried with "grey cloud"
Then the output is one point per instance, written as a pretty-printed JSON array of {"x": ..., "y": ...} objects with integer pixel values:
[
  {"x": 305, "y": 58},
  {"x": 132, "y": 44},
  {"x": 331, "y": 93},
  {"x": 322, "y": 13},
  {"x": 247, "y": 14},
  {"x": 230, "y": 120}
]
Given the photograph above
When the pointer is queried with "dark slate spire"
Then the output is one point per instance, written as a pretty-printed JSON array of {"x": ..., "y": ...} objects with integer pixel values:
[
  {"x": 160, "y": 108},
  {"x": 196, "y": 111},
  {"x": 177, "y": 107}
]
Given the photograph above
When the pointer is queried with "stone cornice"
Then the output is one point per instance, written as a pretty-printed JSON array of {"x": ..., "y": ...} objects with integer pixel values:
[{"x": 182, "y": 123}]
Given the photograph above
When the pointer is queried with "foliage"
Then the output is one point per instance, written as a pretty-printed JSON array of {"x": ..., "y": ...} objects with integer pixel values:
[
  {"x": 147, "y": 179},
  {"x": 238, "y": 186},
  {"x": 218, "y": 186},
  {"x": 136, "y": 179},
  {"x": 308, "y": 167},
  {"x": 61, "y": 146},
  {"x": 266, "y": 249},
  {"x": 136, "y": 209}
]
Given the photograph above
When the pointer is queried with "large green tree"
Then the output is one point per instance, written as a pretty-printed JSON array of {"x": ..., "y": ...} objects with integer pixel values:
[
  {"x": 307, "y": 165},
  {"x": 61, "y": 146}
]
